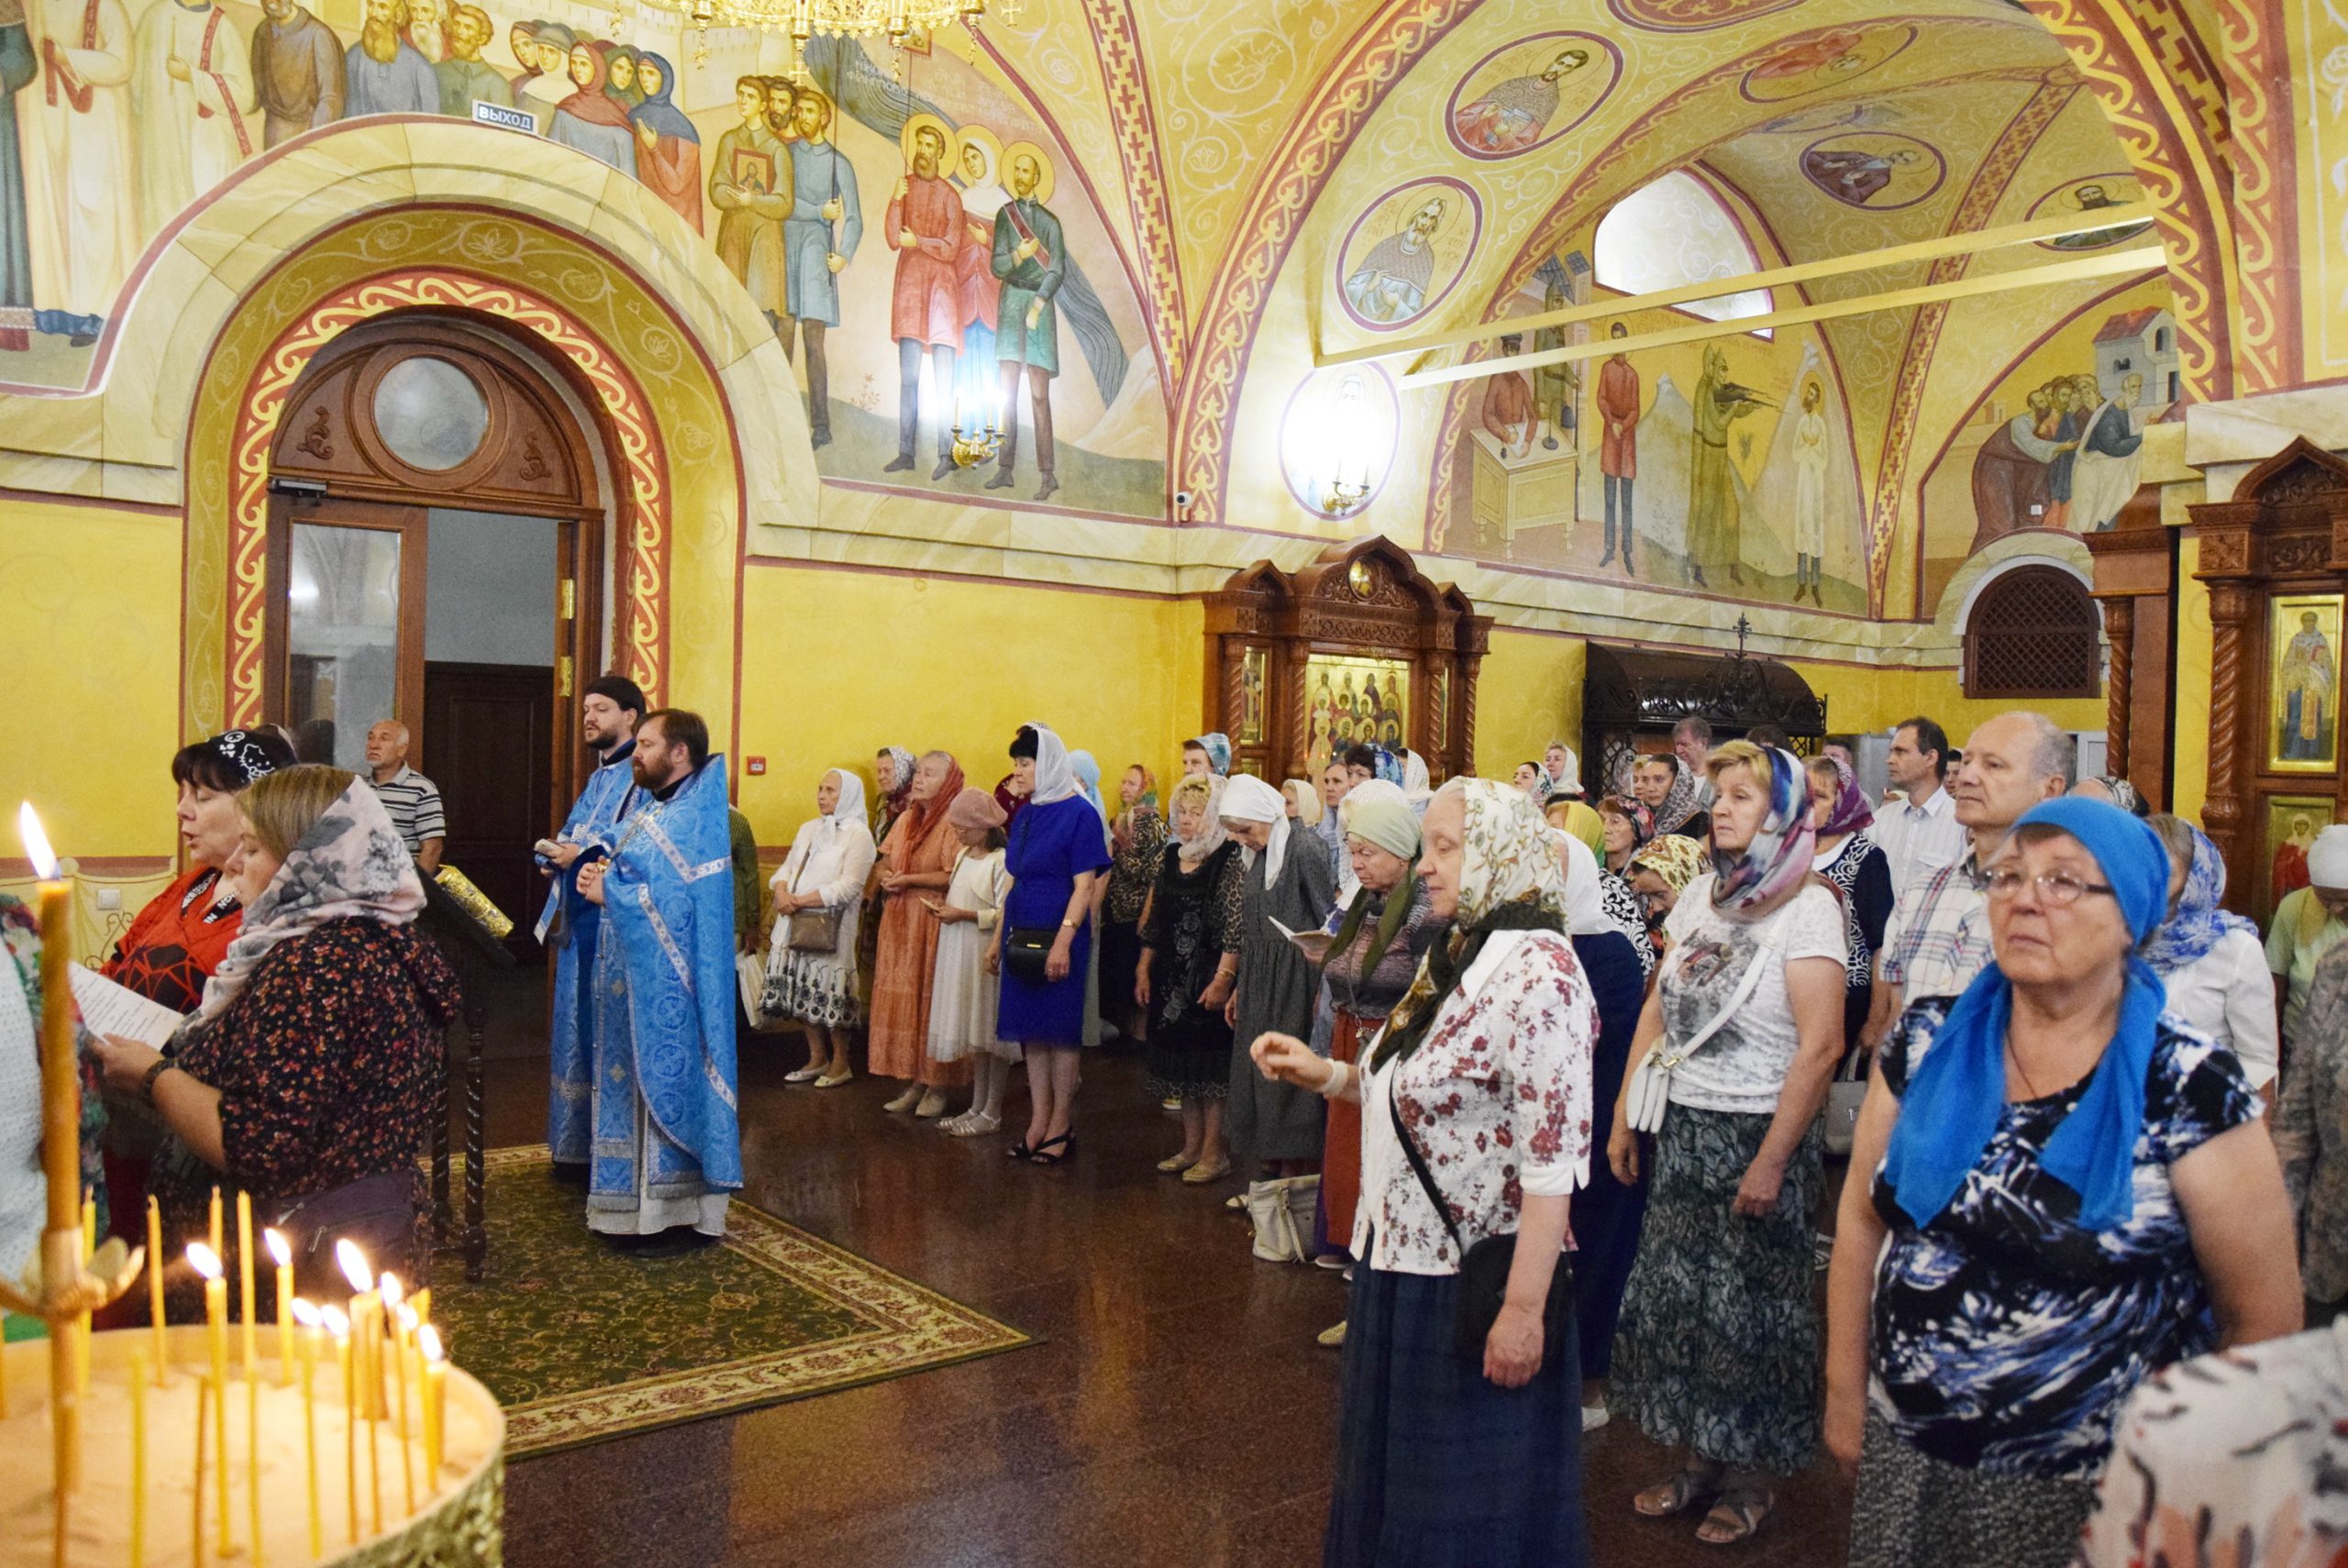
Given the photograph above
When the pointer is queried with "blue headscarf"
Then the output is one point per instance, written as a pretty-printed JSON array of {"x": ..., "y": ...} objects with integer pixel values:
[
  {"x": 1217, "y": 745},
  {"x": 2199, "y": 923},
  {"x": 1088, "y": 778},
  {"x": 1957, "y": 1093},
  {"x": 1389, "y": 765},
  {"x": 659, "y": 113}
]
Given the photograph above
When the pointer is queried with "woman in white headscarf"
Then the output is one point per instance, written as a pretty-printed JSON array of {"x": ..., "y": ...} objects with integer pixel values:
[
  {"x": 1291, "y": 882},
  {"x": 1190, "y": 955},
  {"x": 1043, "y": 948},
  {"x": 809, "y": 979},
  {"x": 1457, "y": 1420}
]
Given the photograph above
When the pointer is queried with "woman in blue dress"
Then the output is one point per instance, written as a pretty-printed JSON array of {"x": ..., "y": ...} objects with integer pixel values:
[{"x": 1058, "y": 851}]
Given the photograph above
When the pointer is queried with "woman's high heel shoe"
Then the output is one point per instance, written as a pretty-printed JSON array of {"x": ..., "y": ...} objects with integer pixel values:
[{"x": 1045, "y": 1152}]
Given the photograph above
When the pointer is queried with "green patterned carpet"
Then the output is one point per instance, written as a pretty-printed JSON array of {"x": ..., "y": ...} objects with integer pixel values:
[{"x": 582, "y": 1340}]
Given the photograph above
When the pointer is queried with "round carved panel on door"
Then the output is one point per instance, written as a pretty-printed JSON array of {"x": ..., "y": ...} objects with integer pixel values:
[{"x": 411, "y": 410}]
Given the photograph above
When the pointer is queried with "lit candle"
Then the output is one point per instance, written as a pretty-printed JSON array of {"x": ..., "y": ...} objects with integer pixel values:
[
  {"x": 138, "y": 1457},
  {"x": 155, "y": 1286},
  {"x": 282, "y": 1256},
  {"x": 436, "y": 1408},
  {"x": 422, "y": 1302},
  {"x": 307, "y": 1317},
  {"x": 366, "y": 1328},
  {"x": 252, "y": 1461},
  {"x": 206, "y": 1262},
  {"x": 61, "y": 1145},
  {"x": 245, "y": 1273},
  {"x": 339, "y": 1327},
  {"x": 89, "y": 1224},
  {"x": 219, "y": 1247}
]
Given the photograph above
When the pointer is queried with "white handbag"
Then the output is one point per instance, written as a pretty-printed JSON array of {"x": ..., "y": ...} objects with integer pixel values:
[
  {"x": 1648, "y": 1094},
  {"x": 1282, "y": 1213},
  {"x": 1844, "y": 1096}
]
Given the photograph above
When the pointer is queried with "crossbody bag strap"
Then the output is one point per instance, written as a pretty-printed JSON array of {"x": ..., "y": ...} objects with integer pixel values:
[
  {"x": 1419, "y": 1165},
  {"x": 1750, "y": 978}
]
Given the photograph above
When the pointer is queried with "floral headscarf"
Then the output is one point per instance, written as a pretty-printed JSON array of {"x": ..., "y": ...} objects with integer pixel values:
[
  {"x": 1122, "y": 829},
  {"x": 1681, "y": 803},
  {"x": 2197, "y": 924},
  {"x": 1749, "y": 882},
  {"x": 1508, "y": 879},
  {"x": 1851, "y": 810},
  {"x": 892, "y": 799},
  {"x": 1389, "y": 767},
  {"x": 1210, "y": 837},
  {"x": 1679, "y": 861},
  {"x": 1217, "y": 745},
  {"x": 1634, "y": 812}
]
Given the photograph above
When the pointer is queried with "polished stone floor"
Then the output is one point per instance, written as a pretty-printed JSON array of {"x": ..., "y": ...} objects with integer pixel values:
[{"x": 1179, "y": 1413}]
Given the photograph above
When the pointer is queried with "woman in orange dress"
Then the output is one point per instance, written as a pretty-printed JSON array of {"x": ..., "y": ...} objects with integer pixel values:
[{"x": 918, "y": 854}]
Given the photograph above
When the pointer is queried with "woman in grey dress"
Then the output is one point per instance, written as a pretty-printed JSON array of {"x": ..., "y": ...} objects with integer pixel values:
[{"x": 1289, "y": 881}]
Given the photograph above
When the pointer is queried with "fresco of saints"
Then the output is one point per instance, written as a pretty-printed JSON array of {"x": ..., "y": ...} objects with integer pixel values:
[
  {"x": 1030, "y": 260},
  {"x": 383, "y": 72},
  {"x": 541, "y": 93},
  {"x": 17, "y": 68},
  {"x": 2105, "y": 474},
  {"x": 1389, "y": 710},
  {"x": 2309, "y": 680},
  {"x": 1853, "y": 175},
  {"x": 1809, "y": 494},
  {"x": 1555, "y": 387},
  {"x": 297, "y": 72},
  {"x": 1510, "y": 117},
  {"x": 465, "y": 78},
  {"x": 924, "y": 227},
  {"x": 192, "y": 98},
  {"x": 1509, "y": 416},
  {"x": 977, "y": 170},
  {"x": 1618, "y": 450},
  {"x": 1393, "y": 280},
  {"x": 826, "y": 225},
  {"x": 74, "y": 137},
  {"x": 427, "y": 28},
  {"x": 750, "y": 184},
  {"x": 1341, "y": 725},
  {"x": 668, "y": 145},
  {"x": 591, "y": 119},
  {"x": 1714, "y": 522}
]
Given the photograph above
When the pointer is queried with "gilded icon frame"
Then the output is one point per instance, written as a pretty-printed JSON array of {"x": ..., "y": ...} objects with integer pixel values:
[
  {"x": 2301, "y": 677},
  {"x": 1349, "y": 674}
]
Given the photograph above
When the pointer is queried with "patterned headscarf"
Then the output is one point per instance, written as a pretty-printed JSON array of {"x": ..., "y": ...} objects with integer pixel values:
[
  {"x": 1679, "y": 861},
  {"x": 1681, "y": 803},
  {"x": 1750, "y": 882},
  {"x": 1634, "y": 812},
  {"x": 1210, "y": 837},
  {"x": 1851, "y": 810},
  {"x": 893, "y": 800},
  {"x": 255, "y": 753},
  {"x": 1217, "y": 745},
  {"x": 2123, "y": 794},
  {"x": 351, "y": 864},
  {"x": 2197, "y": 924},
  {"x": 1389, "y": 767},
  {"x": 1509, "y": 881}
]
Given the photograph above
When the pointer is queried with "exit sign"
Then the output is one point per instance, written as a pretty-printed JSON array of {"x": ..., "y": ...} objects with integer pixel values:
[{"x": 508, "y": 119}]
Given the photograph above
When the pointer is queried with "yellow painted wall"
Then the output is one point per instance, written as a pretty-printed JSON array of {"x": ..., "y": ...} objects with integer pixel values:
[
  {"x": 838, "y": 664},
  {"x": 1859, "y": 699},
  {"x": 91, "y": 601},
  {"x": 2190, "y": 702},
  {"x": 1528, "y": 694}
]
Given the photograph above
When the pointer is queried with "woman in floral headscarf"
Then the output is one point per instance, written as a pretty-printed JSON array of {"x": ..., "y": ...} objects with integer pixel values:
[
  {"x": 1657, "y": 875},
  {"x": 1675, "y": 795},
  {"x": 1136, "y": 843},
  {"x": 1478, "y": 1086},
  {"x": 2209, "y": 959},
  {"x": 1189, "y": 958},
  {"x": 892, "y": 786},
  {"x": 1718, "y": 1350},
  {"x": 1848, "y": 857}
]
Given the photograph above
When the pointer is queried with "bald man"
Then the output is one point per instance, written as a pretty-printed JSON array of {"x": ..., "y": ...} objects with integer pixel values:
[{"x": 413, "y": 800}]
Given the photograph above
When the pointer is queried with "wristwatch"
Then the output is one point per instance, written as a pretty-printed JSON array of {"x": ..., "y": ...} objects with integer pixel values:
[{"x": 147, "y": 1085}]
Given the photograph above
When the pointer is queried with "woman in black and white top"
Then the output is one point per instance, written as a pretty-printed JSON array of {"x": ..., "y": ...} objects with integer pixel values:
[{"x": 1849, "y": 857}]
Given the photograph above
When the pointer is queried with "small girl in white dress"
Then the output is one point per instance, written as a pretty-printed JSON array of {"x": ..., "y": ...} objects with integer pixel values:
[{"x": 963, "y": 994}]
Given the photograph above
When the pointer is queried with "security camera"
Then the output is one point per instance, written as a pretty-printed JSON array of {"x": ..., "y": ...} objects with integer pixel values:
[{"x": 1183, "y": 498}]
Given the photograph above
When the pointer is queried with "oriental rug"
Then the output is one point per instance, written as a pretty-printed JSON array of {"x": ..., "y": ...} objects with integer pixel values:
[{"x": 583, "y": 1340}]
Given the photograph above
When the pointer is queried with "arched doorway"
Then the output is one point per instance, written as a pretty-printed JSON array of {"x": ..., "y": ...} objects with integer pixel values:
[{"x": 436, "y": 528}]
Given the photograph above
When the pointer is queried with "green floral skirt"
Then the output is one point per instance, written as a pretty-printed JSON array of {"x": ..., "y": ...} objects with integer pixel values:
[{"x": 1718, "y": 1348}]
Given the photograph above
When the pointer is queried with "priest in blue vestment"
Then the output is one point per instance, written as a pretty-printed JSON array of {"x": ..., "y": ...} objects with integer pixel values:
[
  {"x": 667, "y": 1150},
  {"x": 607, "y": 720}
]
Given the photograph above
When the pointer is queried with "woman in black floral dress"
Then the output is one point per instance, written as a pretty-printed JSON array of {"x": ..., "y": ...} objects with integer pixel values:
[
  {"x": 308, "y": 1077},
  {"x": 1189, "y": 955}
]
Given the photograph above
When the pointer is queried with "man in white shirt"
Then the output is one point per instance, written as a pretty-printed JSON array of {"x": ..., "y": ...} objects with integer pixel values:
[
  {"x": 1920, "y": 835},
  {"x": 1692, "y": 740}
]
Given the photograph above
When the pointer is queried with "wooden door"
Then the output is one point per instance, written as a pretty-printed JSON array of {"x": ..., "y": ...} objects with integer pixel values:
[
  {"x": 347, "y": 651},
  {"x": 490, "y": 728}
]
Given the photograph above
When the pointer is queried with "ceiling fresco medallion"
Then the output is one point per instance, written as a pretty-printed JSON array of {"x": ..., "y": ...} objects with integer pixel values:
[
  {"x": 1693, "y": 15},
  {"x": 1406, "y": 250},
  {"x": 1879, "y": 171},
  {"x": 1528, "y": 93},
  {"x": 2097, "y": 191},
  {"x": 1829, "y": 60}
]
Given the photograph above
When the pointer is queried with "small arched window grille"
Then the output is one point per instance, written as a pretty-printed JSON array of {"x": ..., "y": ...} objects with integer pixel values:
[{"x": 2033, "y": 633}]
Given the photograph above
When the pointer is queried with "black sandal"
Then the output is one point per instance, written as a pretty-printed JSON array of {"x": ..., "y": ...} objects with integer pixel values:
[
  {"x": 1064, "y": 1143},
  {"x": 1019, "y": 1152}
]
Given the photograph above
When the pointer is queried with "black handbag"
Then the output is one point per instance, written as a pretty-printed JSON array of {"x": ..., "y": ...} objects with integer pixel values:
[
  {"x": 1026, "y": 950},
  {"x": 1484, "y": 1267}
]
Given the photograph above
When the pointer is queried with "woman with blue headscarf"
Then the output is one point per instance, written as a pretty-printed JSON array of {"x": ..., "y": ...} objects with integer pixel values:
[
  {"x": 2211, "y": 960},
  {"x": 2070, "y": 1191},
  {"x": 668, "y": 146}
]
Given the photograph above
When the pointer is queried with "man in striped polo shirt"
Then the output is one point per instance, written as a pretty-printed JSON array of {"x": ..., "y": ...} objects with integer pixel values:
[{"x": 413, "y": 800}]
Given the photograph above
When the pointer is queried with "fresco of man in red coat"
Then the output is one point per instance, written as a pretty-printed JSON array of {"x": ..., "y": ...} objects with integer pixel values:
[
  {"x": 924, "y": 228},
  {"x": 1618, "y": 451}
]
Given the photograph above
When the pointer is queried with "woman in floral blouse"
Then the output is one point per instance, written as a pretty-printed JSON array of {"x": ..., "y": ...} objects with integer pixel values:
[
  {"x": 308, "y": 1077},
  {"x": 1484, "y": 1067},
  {"x": 1137, "y": 842}
]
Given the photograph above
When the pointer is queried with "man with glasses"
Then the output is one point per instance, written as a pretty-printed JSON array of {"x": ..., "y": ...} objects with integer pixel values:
[{"x": 1938, "y": 938}]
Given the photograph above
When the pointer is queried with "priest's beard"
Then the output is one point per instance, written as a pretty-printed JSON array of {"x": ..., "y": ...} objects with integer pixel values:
[
  {"x": 380, "y": 40},
  {"x": 430, "y": 38}
]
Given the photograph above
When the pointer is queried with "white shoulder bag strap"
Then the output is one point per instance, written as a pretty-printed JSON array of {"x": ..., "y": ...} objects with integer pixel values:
[{"x": 1649, "y": 1093}]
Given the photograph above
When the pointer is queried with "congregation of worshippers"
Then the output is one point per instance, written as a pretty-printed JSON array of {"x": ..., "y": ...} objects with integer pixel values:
[{"x": 1559, "y": 1072}]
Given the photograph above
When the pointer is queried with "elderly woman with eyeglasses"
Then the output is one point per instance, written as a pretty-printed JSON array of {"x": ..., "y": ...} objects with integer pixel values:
[{"x": 2069, "y": 1191}]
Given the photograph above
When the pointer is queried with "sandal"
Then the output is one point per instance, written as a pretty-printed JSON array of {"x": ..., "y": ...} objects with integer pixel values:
[
  {"x": 1677, "y": 1494},
  {"x": 1175, "y": 1164},
  {"x": 1054, "y": 1151},
  {"x": 1738, "y": 1516}
]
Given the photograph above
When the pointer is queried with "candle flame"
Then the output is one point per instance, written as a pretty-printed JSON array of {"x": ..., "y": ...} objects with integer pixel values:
[
  {"x": 304, "y": 1313},
  {"x": 204, "y": 1260},
  {"x": 336, "y": 1321},
  {"x": 408, "y": 1319},
  {"x": 36, "y": 847},
  {"x": 278, "y": 1250},
  {"x": 389, "y": 1284},
  {"x": 354, "y": 1264},
  {"x": 427, "y": 1341}
]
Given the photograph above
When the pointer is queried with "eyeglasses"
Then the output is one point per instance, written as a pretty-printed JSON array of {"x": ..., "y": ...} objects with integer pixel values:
[{"x": 2056, "y": 889}]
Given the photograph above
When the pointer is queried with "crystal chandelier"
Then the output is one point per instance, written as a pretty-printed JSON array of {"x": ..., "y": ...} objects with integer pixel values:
[{"x": 899, "y": 21}]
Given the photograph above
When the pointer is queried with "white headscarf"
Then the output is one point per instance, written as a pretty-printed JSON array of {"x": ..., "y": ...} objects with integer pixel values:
[
  {"x": 850, "y": 808},
  {"x": 1056, "y": 777},
  {"x": 1567, "y": 783},
  {"x": 2328, "y": 861},
  {"x": 1249, "y": 800},
  {"x": 1418, "y": 785},
  {"x": 1584, "y": 907}
]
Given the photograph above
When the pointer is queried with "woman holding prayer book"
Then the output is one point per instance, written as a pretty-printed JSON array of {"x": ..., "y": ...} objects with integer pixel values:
[{"x": 306, "y": 1076}]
